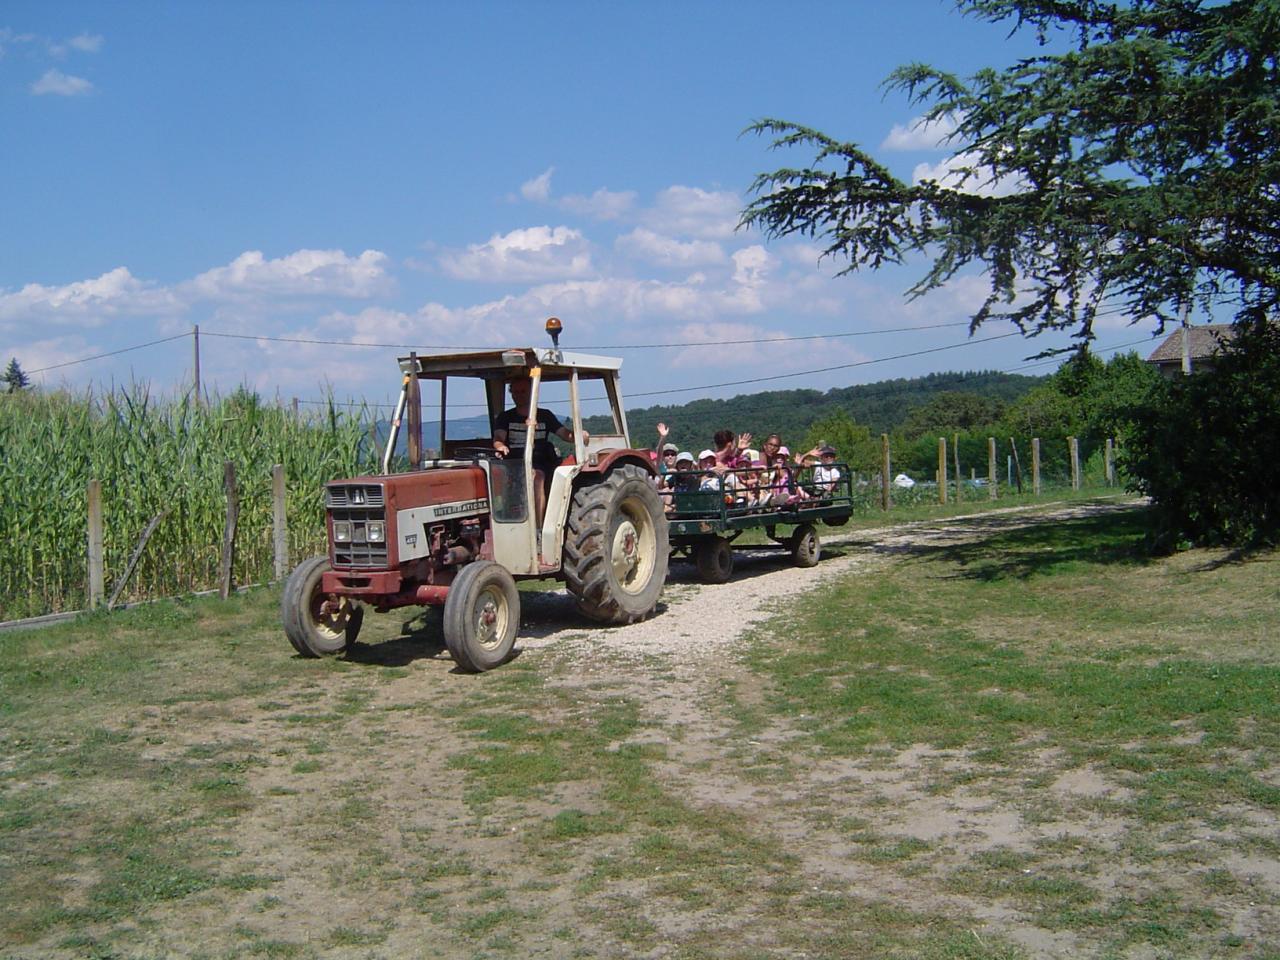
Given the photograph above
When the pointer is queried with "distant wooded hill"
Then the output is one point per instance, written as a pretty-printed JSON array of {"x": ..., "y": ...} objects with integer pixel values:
[{"x": 882, "y": 406}]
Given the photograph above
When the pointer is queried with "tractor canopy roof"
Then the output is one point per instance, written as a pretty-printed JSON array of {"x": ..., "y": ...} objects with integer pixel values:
[{"x": 510, "y": 364}]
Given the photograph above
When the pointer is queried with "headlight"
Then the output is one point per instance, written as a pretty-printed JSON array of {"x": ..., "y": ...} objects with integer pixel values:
[
  {"x": 342, "y": 531},
  {"x": 377, "y": 531}
]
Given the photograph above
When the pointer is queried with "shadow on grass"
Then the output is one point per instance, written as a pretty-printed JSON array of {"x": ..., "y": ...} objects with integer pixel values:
[
  {"x": 1010, "y": 548},
  {"x": 421, "y": 638}
]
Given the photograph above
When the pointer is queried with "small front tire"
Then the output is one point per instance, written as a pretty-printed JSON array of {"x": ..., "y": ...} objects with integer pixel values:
[
  {"x": 481, "y": 616},
  {"x": 806, "y": 548},
  {"x": 316, "y": 624},
  {"x": 714, "y": 558}
]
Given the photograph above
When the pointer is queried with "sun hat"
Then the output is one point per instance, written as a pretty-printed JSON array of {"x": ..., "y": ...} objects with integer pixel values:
[
  {"x": 750, "y": 454},
  {"x": 782, "y": 452},
  {"x": 683, "y": 456},
  {"x": 706, "y": 453},
  {"x": 827, "y": 449},
  {"x": 669, "y": 448}
]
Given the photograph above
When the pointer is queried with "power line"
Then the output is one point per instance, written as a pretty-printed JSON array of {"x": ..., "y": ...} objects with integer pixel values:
[
  {"x": 610, "y": 346},
  {"x": 730, "y": 383},
  {"x": 113, "y": 353}
]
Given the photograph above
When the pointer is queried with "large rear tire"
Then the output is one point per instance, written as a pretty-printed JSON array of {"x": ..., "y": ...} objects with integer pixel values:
[
  {"x": 616, "y": 547},
  {"x": 481, "y": 616},
  {"x": 317, "y": 625}
]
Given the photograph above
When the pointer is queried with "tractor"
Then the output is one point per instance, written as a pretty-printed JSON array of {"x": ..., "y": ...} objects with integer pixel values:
[{"x": 460, "y": 526}]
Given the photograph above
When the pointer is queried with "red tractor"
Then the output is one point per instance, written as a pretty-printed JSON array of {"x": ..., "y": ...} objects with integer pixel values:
[{"x": 460, "y": 526}]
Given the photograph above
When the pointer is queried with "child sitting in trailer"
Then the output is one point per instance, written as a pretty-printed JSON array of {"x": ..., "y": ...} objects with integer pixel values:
[
  {"x": 826, "y": 475},
  {"x": 713, "y": 478},
  {"x": 753, "y": 491},
  {"x": 781, "y": 482}
]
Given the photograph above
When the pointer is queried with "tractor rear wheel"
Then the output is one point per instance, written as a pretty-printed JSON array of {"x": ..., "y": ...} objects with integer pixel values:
[
  {"x": 616, "y": 547},
  {"x": 316, "y": 624},
  {"x": 481, "y": 615}
]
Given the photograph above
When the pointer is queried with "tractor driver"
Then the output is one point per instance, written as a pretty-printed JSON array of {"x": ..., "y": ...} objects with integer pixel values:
[{"x": 509, "y": 439}]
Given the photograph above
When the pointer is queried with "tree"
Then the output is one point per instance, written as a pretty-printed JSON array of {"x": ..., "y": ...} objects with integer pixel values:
[
  {"x": 952, "y": 411},
  {"x": 15, "y": 376},
  {"x": 1203, "y": 447},
  {"x": 853, "y": 442},
  {"x": 1140, "y": 164}
]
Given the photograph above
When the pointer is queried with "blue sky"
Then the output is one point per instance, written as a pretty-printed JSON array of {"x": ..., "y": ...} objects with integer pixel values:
[{"x": 451, "y": 174}]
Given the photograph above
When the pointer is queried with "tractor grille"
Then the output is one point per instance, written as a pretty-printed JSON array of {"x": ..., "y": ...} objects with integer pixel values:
[
  {"x": 353, "y": 495},
  {"x": 357, "y": 504}
]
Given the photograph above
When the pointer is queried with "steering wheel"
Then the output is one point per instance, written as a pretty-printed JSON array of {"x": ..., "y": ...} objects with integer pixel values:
[{"x": 474, "y": 453}]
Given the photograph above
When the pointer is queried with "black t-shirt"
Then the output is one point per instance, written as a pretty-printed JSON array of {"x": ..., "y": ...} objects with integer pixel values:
[{"x": 544, "y": 452}]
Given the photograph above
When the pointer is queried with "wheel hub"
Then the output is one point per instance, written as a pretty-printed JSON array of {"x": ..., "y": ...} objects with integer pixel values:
[{"x": 626, "y": 552}]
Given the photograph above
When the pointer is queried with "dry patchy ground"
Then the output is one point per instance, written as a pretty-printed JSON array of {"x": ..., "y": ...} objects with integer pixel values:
[{"x": 630, "y": 792}]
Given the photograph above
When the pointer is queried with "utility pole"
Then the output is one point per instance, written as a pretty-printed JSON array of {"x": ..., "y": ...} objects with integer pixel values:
[{"x": 195, "y": 338}]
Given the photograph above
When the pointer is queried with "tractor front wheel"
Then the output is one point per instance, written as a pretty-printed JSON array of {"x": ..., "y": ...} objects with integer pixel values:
[
  {"x": 616, "y": 547},
  {"x": 316, "y": 624},
  {"x": 481, "y": 615}
]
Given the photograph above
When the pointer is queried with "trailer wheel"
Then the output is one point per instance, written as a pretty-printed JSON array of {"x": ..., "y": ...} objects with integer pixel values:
[
  {"x": 317, "y": 625},
  {"x": 714, "y": 557},
  {"x": 615, "y": 546},
  {"x": 806, "y": 548},
  {"x": 481, "y": 614}
]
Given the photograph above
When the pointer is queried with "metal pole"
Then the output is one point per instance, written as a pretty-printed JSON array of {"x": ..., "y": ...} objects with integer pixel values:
[
  {"x": 195, "y": 339},
  {"x": 1186, "y": 337}
]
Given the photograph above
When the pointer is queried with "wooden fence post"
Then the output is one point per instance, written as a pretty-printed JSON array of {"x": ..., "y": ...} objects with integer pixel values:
[
  {"x": 229, "y": 530},
  {"x": 991, "y": 467},
  {"x": 942, "y": 469},
  {"x": 1111, "y": 463},
  {"x": 1035, "y": 465},
  {"x": 955, "y": 460},
  {"x": 280, "y": 534},
  {"x": 1017, "y": 464},
  {"x": 1073, "y": 449},
  {"x": 96, "y": 579},
  {"x": 885, "y": 501}
]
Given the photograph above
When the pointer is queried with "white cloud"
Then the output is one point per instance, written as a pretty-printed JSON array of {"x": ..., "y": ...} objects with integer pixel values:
[
  {"x": 644, "y": 244},
  {"x": 86, "y": 42},
  {"x": 532, "y": 253},
  {"x": 690, "y": 211},
  {"x": 8, "y": 38},
  {"x": 539, "y": 188},
  {"x": 86, "y": 302},
  {"x": 61, "y": 84},
  {"x": 919, "y": 135},
  {"x": 308, "y": 273},
  {"x": 751, "y": 266},
  {"x": 601, "y": 205},
  {"x": 960, "y": 172}
]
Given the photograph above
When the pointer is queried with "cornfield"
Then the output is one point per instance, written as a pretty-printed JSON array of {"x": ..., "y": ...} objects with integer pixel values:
[{"x": 153, "y": 456}]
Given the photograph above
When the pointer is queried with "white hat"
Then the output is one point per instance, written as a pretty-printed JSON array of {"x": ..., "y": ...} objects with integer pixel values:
[
  {"x": 750, "y": 454},
  {"x": 706, "y": 453},
  {"x": 684, "y": 455}
]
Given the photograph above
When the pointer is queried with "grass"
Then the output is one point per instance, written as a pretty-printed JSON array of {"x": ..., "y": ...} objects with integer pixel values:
[{"x": 1042, "y": 726}]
